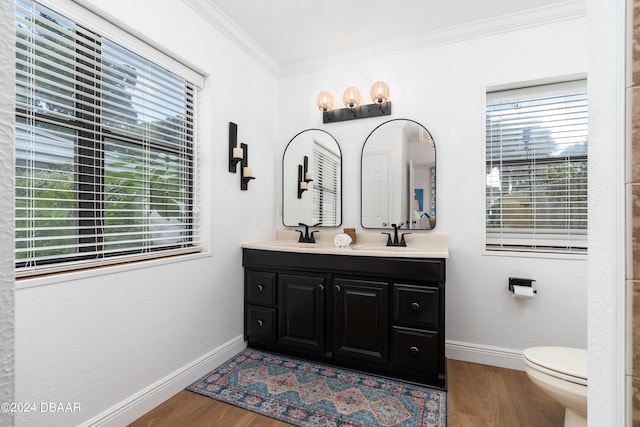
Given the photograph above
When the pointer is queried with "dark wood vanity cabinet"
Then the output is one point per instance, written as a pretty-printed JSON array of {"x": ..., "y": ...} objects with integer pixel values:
[
  {"x": 302, "y": 312},
  {"x": 377, "y": 314}
]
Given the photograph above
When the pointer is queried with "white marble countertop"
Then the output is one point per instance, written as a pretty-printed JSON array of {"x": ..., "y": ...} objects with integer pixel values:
[{"x": 368, "y": 243}]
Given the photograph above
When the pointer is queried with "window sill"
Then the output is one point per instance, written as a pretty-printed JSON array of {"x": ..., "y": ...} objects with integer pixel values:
[
  {"x": 531, "y": 254},
  {"x": 31, "y": 282}
]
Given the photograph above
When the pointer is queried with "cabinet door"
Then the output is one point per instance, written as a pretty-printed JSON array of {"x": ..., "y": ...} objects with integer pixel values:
[
  {"x": 302, "y": 312},
  {"x": 361, "y": 325}
]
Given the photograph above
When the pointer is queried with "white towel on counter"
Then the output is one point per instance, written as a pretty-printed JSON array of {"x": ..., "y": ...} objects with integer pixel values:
[{"x": 342, "y": 240}]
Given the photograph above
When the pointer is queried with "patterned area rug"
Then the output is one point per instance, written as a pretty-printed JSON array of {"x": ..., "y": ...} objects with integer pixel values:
[{"x": 308, "y": 394}]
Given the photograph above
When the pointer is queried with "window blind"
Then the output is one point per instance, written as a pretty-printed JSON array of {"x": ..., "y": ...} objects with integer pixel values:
[
  {"x": 104, "y": 149},
  {"x": 536, "y": 168},
  {"x": 326, "y": 202}
]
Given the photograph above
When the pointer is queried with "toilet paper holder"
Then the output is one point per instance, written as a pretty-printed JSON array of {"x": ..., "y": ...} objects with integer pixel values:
[{"x": 518, "y": 281}]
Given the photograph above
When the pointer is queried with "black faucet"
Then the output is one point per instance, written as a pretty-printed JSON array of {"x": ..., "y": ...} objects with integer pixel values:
[
  {"x": 396, "y": 241},
  {"x": 305, "y": 237}
]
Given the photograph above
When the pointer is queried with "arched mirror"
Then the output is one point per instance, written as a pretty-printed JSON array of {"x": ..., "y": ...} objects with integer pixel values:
[
  {"x": 398, "y": 181},
  {"x": 312, "y": 180}
]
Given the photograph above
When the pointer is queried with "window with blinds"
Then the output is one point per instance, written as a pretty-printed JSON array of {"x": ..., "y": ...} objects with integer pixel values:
[
  {"x": 536, "y": 168},
  {"x": 326, "y": 186},
  {"x": 104, "y": 149}
]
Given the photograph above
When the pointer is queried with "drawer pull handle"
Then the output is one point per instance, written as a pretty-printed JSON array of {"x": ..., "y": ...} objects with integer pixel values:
[
  {"x": 321, "y": 286},
  {"x": 260, "y": 288},
  {"x": 260, "y": 322},
  {"x": 337, "y": 288},
  {"x": 415, "y": 306},
  {"x": 414, "y": 350}
]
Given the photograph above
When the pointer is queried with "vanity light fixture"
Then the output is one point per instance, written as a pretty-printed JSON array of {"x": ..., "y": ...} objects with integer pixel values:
[
  {"x": 351, "y": 98},
  {"x": 246, "y": 174},
  {"x": 325, "y": 101},
  {"x": 235, "y": 154},
  {"x": 379, "y": 92}
]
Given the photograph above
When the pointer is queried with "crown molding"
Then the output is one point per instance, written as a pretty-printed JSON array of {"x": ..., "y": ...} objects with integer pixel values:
[
  {"x": 564, "y": 11},
  {"x": 219, "y": 20}
]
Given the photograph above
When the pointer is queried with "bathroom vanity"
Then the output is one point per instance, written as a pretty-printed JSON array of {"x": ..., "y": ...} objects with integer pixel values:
[{"x": 365, "y": 307}]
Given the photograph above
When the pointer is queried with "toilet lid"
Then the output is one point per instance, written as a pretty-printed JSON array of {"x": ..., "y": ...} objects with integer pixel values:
[{"x": 565, "y": 361}]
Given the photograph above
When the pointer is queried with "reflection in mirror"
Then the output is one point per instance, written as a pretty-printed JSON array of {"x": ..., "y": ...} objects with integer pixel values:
[
  {"x": 312, "y": 180},
  {"x": 399, "y": 177}
]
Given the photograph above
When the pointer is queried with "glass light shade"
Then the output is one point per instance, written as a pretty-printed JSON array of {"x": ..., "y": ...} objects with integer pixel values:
[
  {"x": 325, "y": 101},
  {"x": 379, "y": 92},
  {"x": 351, "y": 97}
]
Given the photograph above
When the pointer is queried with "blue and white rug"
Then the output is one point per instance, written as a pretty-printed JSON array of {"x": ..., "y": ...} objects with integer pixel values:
[{"x": 308, "y": 394}]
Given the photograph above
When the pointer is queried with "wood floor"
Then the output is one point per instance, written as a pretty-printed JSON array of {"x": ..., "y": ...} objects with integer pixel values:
[{"x": 478, "y": 396}]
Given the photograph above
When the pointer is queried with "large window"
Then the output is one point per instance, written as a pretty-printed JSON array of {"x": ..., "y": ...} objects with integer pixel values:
[
  {"x": 536, "y": 168},
  {"x": 104, "y": 149}
]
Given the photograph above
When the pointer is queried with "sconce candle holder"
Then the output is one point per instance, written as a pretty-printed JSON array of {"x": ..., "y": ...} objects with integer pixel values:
[
  {"x": 235, "y": 154},
  {"x": 302, "y": 185},
  {"x": 306, "y": 174},
  {"x": 246, "y": 174}
]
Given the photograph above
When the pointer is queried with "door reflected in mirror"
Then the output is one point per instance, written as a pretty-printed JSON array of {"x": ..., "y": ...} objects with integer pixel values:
[
  {"x": 398, "y": 181},
  {"x": 312, "y": 180}
]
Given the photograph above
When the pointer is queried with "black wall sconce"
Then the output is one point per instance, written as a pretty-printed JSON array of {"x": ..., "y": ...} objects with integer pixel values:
[
  {"x": 235, "y": 154},
  {"x": 351, "y": 99},
  {"x": 304, "y": 177},
  {"x": 239, "y": 155},
  {"x": 246, "y": 174}
]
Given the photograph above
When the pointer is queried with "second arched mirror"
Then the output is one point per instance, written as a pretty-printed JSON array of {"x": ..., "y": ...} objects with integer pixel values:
[
  {"x": 398, "y": 176},
  {"x": 312, "y": 180}
]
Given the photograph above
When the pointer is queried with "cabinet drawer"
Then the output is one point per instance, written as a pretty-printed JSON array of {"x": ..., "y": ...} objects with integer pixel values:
[
  {"x": 261, "y": 288},
  {"x": 415, "y": 349},
  {"x": 416, "y": 306},
  {"x": 261, "y": 324}
]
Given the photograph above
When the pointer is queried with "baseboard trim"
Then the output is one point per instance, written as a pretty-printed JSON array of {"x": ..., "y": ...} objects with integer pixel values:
[
  {"x": 484, "y": 354},
  {"x": 148, "y": 398}
]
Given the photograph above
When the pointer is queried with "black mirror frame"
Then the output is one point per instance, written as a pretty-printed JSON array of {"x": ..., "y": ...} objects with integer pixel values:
[
  {"x": 435, "y": 153},
  {"x": 284, "y": 184}
]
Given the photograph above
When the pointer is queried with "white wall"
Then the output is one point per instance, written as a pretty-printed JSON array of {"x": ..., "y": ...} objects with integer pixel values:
[
  {"x": 7, "y": 123},
  {"x": 443, "y": 87},
  {"x": 607, "y": 212},
  {"x": 103, "y": 338}
]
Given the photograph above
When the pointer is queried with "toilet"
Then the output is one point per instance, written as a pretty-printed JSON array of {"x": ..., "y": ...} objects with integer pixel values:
[{"x": 561, "y": 372}]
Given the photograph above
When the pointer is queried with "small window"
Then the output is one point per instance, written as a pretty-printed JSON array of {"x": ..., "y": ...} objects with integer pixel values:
[
  {"x": 536, "y": 169},
  {"x": 104, "y": 149}
]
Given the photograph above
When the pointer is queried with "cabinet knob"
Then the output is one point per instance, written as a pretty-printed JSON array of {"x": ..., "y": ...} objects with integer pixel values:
[
  {"x": 414, "y": 350},
  {"x": 415, "y": 306},
  {"x": 260, "y": 288},
  {"x": 321, "y": 286},
  {"x": 260, "y": 322},
  {"x": 337, "y": 288}
]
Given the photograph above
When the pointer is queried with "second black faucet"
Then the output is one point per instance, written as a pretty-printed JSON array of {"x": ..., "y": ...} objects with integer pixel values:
[{"x": 396, "y": 241}]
